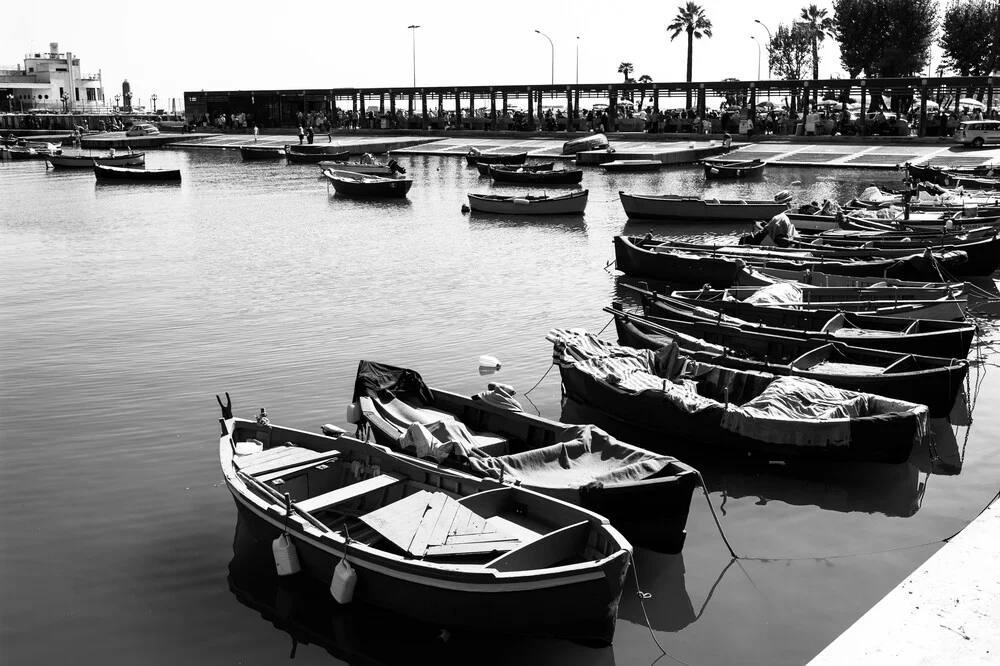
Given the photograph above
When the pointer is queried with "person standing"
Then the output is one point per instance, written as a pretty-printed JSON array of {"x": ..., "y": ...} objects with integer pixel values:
[
  {"x": 255, "y": 133},
  {"x": 302, "y": 134},
  {"x": 309, "y": 134}
]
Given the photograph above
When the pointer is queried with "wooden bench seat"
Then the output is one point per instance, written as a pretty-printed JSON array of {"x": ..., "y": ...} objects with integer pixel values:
[
  {"x": 546, "y": 551},
  {"x": 281, "y": 458},
  {"x": 345, "y": 493}
]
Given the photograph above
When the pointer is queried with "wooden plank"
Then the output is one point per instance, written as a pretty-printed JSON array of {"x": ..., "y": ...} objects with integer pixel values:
[
  {"x": 295, "y": 468},
  {"x": 398, "y": 521},
  {"x": 444, "y": 526},
  {"x": 293, "y": 456},
  {"x": 547, "y": 551},
  {"x": 345, "y": 493},
  {"x": 481, "y": 548},
  {"x": 430, "y": 518}
]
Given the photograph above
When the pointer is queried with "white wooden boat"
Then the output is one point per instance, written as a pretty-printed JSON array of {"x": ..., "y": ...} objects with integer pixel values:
[
  {"x": 367, "y": 168},
  {"x": 632, "y": 165},
  {"x": 88, "y": 161},
  {"x": 591, "y": 142},
  {"x": 573, "y": 203},
  {"x": 676, "y": 207},
  {"x": 459, "y": 553}
]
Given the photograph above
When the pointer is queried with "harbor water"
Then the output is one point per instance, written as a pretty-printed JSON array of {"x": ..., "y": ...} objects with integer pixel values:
[{"x": 126, "y": 308}]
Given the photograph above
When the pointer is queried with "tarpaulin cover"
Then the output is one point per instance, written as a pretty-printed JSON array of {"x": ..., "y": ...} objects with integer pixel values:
[
  {"x": 781, "y": 292},
  {"x": 378, "y": 380}
]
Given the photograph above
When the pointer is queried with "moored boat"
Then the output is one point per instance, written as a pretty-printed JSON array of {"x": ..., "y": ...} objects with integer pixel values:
[
  {"x": 484, "y": 167},
  {"x": 513, "y": 174},
  {"x": 88, "y": 161},
  {"x": 474, "y": 157},
  {"x": 695, "y": 209},
  {"x": 110, "y": 173},
  {"x": 722, "y": 410},
  {"x": 573, "y": 203},
  {"x": 507, "y": 559},
  {"x": 724, "y": 168},
  {"x": 250, "y": 153},
  {"x": 312, "y": 154},
  {"x": 618, "y": 166},
  {"x": 589, "y": 142},
  {"x": 372, "y": 168},
  {"x": 645, "y": 495},
  {"x": 350, "y": 184}
]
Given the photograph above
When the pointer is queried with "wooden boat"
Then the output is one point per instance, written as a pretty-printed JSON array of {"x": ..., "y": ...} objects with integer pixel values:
[
  {"x": 618, "y": 166},
  {"x": 645, "y": 495},
  {"x": 734, "y": 411},
  {"x": 573, "y": 203},
  {"x": 371, "y": 169},
  {"x": 350, "y": 184},
  {"x": 928, "y": 337},
  {"x": 250, "y": 153},
  {"x": 733, "y": 168},
  {"x": 589, "y": 142},
  {"x": 552, "y": 177},
  {"x": 977, "y": 177},
  {"x": 506, "y": 559},
  {"x": 676, "y": 207},
  {"x": 313, "y": 154},
  {"x": 484, "y": 167},
  {"x": 474, "y": 158},
  {"x": 759, "y": 276},
  {"x": 31, "y": 150},
  {"x": 648, "y": 258},
  {"x": 926, "y": 380},
  {"x": 110, "y": 173},
  {"x": 88, "y": 161}
]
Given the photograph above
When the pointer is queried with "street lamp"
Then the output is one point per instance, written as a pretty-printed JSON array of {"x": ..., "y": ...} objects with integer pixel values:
[
  {"x": 10, "y": 103},
  {"x": 578, "y": 61},
  {"x": 153, "y": 97},
  {"x": 117, "y": 99},
  {"x": 551, "y": 46},
  {"x": 128, "y": 102},
  {"x": 769, "y": 40},
  {"x": 413, "y": 29},
  {"x": 758, "y": 55}
]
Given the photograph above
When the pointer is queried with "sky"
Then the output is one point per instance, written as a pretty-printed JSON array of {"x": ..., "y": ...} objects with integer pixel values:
[{"x": 168, "y": 48}]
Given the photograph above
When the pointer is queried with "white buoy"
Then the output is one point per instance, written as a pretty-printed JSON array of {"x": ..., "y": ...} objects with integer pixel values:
[
  {"x": 354, "y": 413},
  {"x": 286, "y": 558},
  {"x": 331, "y": 430},
  {"x": 344, "y": 580},
  {"x": 489, "y": 362}
]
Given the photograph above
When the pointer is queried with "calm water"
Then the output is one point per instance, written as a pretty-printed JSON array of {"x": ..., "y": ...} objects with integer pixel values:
[{"x": 125, "y": 309}]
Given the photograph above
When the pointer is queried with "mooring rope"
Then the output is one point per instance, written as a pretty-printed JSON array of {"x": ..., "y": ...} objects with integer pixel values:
[{"x": 642, "y": 596}]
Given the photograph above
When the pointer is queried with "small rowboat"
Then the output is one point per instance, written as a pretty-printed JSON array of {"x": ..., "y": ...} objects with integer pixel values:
[
  {"x": 694, "y": 209},
  {"x": 371, "y": 169},
  {"x": 474, "y": 158},
  {"x": 591, "y": 142},
  {"x": 645, "y": 495},
  {"x": 108, "y": 173},
  {"x": 261, "y": 153},
  {"x": 314, "y": 154},
  {"x": 632, "y": 165},
  {"x": 457, "y": 552},
  {"x": 513, "y": 174},
  {"x": 88, "y": 161},
  {"x": 484, "y": 167},
  {"x": 733, "y": 168},
  {"x": 573, "y": 203},
  {"x": 350, "y": 184}
]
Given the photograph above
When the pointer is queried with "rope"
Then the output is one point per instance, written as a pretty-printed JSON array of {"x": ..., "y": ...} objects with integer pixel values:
[
  {"x": 708, "y": 499},
  {"x": 642, "y": 596},
  {"x": 540, "y": 380}
]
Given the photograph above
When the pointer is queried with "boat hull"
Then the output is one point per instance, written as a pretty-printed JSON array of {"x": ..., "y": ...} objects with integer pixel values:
[
  {"x": 672, "y": 207},
  {"x": 592, "y": 142},
  {"x": 472, "y": 159},
  {"x": 85, "y": 162},
  {"x": 349, "y": 184},
  {"x": 254, "y": 153},
  {"x": 719, "y": 169},
  {"x": 571, "y": 204},
  {"x": 315, "y": 154},
  {"x": 132, "y": 174},
  {"x": 554, "y": 177}
]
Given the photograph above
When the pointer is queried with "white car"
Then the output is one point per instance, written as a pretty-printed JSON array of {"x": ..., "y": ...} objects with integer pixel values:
[
  {"x": 142, "y": 129},
  {"x": 978, "y": 133}
]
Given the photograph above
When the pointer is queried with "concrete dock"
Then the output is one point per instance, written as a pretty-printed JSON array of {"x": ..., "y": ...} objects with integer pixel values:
[{"x": 946, "y": 612}]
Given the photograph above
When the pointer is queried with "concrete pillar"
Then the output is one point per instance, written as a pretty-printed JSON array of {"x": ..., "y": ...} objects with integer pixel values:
[
  {"x": 493, "y": 109},
  {"x": 458, "y": 109},
  {"x": 570, "y": 111},
  {"x": 354, "y": 101},
  {"x": 381, "y": 103},
  {"x": 923, "y": 108},
  {"x": 656, "y": 98},
  {"x": 472, "y": 109},
  {"x": 531, "y": 109},
  {"x": 423, "y": 107},
  {"x": 989, "y": 94},
  {"x": 392, "y": 103},
  {"x": 612, "y": 110}
]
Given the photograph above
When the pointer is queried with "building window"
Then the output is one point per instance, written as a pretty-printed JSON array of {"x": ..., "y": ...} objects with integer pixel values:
[
  {"x": 77, "y": 94},
  {"x": 91, "y": 94},
  {"x": 61, "y": 91}
]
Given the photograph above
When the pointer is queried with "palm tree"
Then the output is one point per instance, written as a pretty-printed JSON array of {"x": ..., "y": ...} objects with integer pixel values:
[
  {"x": 692, "y": 20},
  {"x": 626, "y": 69},
  {"x": 819, "y": 25},
  {"x": 645, "y": 78}
]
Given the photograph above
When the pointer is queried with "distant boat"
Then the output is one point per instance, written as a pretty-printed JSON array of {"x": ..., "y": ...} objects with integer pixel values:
[
  {"x": 591, "y": 142},
  {"x": 567, "y": 204},
  {"x": 474, "y": 158},
  {"x": 261, "y": 153},
  {"x": 503, "y": 174},
  {"x": 675, "y": 207},
  {"x": 371, "y": 169},
  {"x": 484, "y": 167},
  {"x": 733, "y": 168},
  {"x": 350, "y": 184},
  {"x": 632, "y": 165},
  {"x": 311, "y": 154},
  {"x": 88, "y": 161},
  {"x": 136, "y": 174}
]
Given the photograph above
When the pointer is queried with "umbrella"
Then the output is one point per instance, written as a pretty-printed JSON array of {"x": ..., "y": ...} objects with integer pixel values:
[
  {"x": 766, "y": 104},
  {"x": 854, "y": 107},
  {"x": 968, "y": 101}
]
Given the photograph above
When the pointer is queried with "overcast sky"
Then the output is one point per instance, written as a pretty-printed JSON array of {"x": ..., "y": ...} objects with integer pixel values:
[{"x": 169, "y": 47}]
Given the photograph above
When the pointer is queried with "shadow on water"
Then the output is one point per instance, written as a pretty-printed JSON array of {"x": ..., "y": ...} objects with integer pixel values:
[{"x": 568, "y": 223}]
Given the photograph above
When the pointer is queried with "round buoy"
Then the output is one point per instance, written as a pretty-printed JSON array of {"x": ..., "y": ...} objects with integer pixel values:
[
  {"x": 286, "y": 558},
  {"x": 465, "y": 208}
]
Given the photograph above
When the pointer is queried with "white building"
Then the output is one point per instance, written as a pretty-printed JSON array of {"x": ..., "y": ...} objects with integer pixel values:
[{"x": 50, "y": 81}]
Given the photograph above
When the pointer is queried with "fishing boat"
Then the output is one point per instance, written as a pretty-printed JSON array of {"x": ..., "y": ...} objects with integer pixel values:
[
  {"x": 759, "y": 276},
  {"x": 695, "y": 209},
  {"x": 373, "y": 168},
  {"x": 927, "y": 337},
  {"x": 649, "y": 258},
  {"x": 350, "y": 184},
  {"x": 459, "y": 554},
  {"x": 484, "y": 167},
  {"x": 31, "y": 150},
  {"x": 927, "y": 380},
  {"x": 513, "y": 174},
  {"x": 251, "y": 153},
  {"x": 88, "y": 161},
  {"x": 474, "y": 157},
  {"x": 312, "y": 154},
  {"x": 618, "y": 166},
  {"x": 733, "y": 168},
  {"x": 645, "y": 495},
  {"x": 110, "y": 173},
  {"x": 573, "y": 203},
  {"x": 982, "y": 177},
  {"x": 589, "y": 142},
  {"x": 724, "y": 410}
]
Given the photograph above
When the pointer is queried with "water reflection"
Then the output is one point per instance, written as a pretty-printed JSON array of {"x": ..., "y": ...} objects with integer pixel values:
[
  {"x": 669, "y": 608},
  {"x": 565, "y": 223}
]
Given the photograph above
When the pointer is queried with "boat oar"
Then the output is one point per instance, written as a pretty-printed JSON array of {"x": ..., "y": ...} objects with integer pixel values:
[{"x": 277, "y": 497}]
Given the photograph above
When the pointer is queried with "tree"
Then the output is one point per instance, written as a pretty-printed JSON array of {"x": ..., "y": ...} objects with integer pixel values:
[
  {"x": 645, "y": 78},
  {"x": 790, "y": 52},
  {"x": 820, "y": 26},
  {"x": 969, "y": 37},
  {"x": 885, "y": 38},
  {"x": 690, "y": 19},
  {"x": 626, "y": 69}
]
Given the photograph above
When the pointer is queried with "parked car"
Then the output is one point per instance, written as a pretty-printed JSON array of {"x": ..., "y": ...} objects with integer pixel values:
[
  {"x": 142, "y": 129},
  {"x": 978, "y": 133}
]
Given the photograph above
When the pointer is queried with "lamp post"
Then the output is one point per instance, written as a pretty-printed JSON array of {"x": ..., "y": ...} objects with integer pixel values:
[
  {"x": 10, "y": 103},
  {"x": 758, "y": 55},
  {"x": 578, "y": 61},
  {"x": 153, "y": 97},
  {"x": 128, "y": 102},
  {"x": 551, "y": 46},
  {"x": 117, "y": 99},
  {"x": 769, "y": 40},
  {"x": 413, "y": 33}
]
